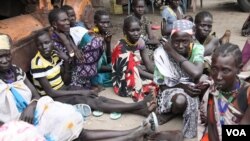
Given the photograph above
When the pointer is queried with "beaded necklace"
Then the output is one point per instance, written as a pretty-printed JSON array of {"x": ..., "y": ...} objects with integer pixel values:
[
  {"x": 223, "y": 108},
  {"x": 128, "y": 42},
  {"x": 190, "y": 50}
]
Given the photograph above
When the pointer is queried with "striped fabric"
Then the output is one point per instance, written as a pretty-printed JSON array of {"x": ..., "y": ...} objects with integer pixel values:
[{"x": 40, "y": 67}]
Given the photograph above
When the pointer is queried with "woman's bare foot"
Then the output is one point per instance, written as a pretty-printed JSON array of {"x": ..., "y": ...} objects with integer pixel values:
[
  {"x": 148, "y": 105},
  {"x": 148, "y": 127}
]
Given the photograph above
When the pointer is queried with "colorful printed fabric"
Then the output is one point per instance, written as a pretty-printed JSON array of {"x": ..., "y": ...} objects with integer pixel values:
[
  {"x": 168, "y": 72},
  {"x": 183, "y": 26},
  {"x": 232, "y": 115},
  {"x": 47, "y": 113},
  {"x": 9, "y": 109},
  {"x": 19, "y": 131},
  {"x": 40, "y": 67},
  {"x": 83, "y": 72},
  {"x": 125, "y": 75},
  {"x": 103, "y": 78},
  {"x": 246, "y": 52},
  {"x": 58, "y": 43}
]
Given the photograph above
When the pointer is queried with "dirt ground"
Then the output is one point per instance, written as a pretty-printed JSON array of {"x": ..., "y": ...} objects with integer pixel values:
[{"x": 226, "y": 16}]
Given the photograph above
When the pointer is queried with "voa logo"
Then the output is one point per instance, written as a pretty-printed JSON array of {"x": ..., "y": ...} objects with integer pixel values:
[{"x": 236, "y": 132}]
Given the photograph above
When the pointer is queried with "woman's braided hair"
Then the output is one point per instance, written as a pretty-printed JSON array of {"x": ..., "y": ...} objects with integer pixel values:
[{"x": 229, "y": 49}]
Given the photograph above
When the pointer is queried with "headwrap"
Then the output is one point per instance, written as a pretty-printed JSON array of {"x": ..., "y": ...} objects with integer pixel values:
[
  {"x": 183, "y": 26},
  {"x": 4, "y": 42}
]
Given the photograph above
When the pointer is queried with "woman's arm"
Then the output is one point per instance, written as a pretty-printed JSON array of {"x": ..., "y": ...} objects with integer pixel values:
[
  {"x": 193, "y": 69},
  {"x": 28, "y": 113},
  {"x": 189, "y": 89},
  {"x": 148, "y": 63},
  {"x": 65, "y": 68},
  {"x": 33, "y": 90},
  {"x": 246, "y": 118},
  {"x": 66, "y": 72},
  {"x": 145, "y": 74},
  {"x": 70, "y": 45},
  {"x": 107, "y": 40}
]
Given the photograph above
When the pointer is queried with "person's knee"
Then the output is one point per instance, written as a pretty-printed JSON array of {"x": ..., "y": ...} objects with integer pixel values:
[{"x": 179, "y": 103}]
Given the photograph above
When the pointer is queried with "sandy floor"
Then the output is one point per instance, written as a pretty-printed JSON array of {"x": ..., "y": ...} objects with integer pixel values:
[{"x": 226, "y": 16}]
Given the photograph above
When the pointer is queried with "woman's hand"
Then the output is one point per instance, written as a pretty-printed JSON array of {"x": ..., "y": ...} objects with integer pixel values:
[
  {"x": 107, "y": 37},
  {"x": 79, "y": 55},
  {"x": 166, "y": 45},
  {"x": 62, "y": 55},
  {"x": 28, "y": 114},
  {"x": 191, "y": 90},
  {"x": 62, "y": 36}
]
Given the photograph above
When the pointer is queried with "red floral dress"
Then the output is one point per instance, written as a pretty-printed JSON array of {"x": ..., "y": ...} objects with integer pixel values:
[{"x": 125, "y": 75}]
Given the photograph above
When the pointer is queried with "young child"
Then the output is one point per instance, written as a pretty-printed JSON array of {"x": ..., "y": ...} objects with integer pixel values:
[
  {"x": 179, "y": 65},
  {"x": 128, "y": 76},
  {"x": 227, "y": 101},
  {"x": 138, "y": 7},
  {"x": 203, "y": 27},
  {"x": 169, "y": 14},
  {"x": 72, "y": 16}
]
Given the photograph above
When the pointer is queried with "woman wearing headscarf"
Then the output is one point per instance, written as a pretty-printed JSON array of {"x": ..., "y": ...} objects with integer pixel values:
[{"x": 179, "y": 65}]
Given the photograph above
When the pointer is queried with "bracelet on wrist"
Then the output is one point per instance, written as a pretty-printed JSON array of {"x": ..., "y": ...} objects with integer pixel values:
[{"x": 72, "y": 53}]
